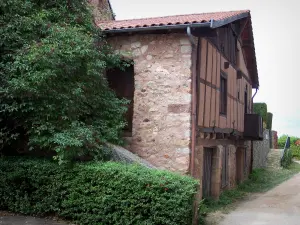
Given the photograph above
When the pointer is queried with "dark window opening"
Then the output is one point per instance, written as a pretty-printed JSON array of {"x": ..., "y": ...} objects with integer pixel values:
[
  {"x": 223, "y": 94},
  {"x": 122, "y": 82},
  {"x": 228, "y": 43}
]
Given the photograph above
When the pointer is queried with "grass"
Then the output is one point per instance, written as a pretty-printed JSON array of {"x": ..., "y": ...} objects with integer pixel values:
[{"x": 261, "y": 180}]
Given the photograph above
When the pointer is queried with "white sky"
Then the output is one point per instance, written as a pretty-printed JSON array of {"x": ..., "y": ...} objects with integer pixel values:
[{"x": 276, "y": 33}]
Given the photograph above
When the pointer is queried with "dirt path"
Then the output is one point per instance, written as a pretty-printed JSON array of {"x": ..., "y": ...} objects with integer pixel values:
[
  {"x": 278, "y": 206},
  {"x": 12, "y": 219}
]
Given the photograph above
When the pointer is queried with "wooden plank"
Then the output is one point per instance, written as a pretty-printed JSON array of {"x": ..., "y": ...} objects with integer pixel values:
[
  {"x": 238, "y": 105},
  {"x": 213, "y": 93},
  {"x": 242, "y": 118},
  {"x": 207, "y": 106},
  {"x": 228, "y": 117},
  {"x": 232, "y": 113},
  {"x": 213, "y": 108},
  {"x": 214, "y": 72},
  {"x": 209, "y": 63},
  {"x": 233, "y": 94},
  {"x": 201, "y": 104},
  {"x": 203, "y": 58},
  {"x": 218, "y": 69},
  {"x": 222, "y": 122},
  {"x": 235, "y": 114},
  {"x": 217, "y": 108},
  {"x": 238, "y": 117}
]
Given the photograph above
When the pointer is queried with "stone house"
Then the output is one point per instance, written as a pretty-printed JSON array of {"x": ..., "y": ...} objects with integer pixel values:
[{"x": 190, "y": 88}]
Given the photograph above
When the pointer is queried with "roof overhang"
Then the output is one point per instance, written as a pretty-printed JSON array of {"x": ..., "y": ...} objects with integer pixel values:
[{"x": 246, "y": 35}]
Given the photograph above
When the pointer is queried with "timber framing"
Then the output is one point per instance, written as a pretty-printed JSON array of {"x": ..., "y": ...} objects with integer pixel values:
[
  {"x": 213, "y": 130},
  {"x": 201, "y": 80},
  {"x": 231, "y": 63}
]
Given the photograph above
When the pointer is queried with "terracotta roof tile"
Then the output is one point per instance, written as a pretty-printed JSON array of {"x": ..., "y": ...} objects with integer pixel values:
[{"x": 169, "y": 20}]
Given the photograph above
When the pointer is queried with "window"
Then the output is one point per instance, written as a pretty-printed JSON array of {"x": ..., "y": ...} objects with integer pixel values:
[
  {"x": 223, "y": 94},
  {"x": 228, "y": 43}
]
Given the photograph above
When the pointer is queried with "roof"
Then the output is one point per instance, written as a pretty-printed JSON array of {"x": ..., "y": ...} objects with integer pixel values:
[
  {"x": 173, "y": 20},
  {"x": 212, "y": 20}
]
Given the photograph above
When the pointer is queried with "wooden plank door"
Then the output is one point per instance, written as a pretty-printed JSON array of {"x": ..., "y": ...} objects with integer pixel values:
[
  {"x": 225, "y": 157},
  {"x": 207, "y": 172}
]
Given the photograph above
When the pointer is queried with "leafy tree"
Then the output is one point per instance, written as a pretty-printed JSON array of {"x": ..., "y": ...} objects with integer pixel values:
[{"x": 52, "y": 88}]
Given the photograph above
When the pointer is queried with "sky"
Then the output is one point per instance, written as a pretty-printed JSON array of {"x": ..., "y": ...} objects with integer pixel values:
[{"x": 276, "y": 33}]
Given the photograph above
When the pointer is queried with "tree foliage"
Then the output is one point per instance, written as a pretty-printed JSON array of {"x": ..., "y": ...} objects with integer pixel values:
[
  {"x": 261, "y": 109},
  {"x": 269, "y": 120},
  {"x": 52, "y": 88}
]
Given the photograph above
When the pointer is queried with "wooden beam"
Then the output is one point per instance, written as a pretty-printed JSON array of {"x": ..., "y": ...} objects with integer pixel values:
[{"x": 217, "y": 130}]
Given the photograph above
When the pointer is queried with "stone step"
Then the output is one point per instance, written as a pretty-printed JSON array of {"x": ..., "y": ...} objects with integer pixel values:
[{"x": 274, "y": 156}]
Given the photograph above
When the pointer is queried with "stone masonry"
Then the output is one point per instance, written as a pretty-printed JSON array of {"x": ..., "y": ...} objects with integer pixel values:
[
  {"x": 232, "y": 166},
  {"x": 261, "y": 150},
  {"x": 162, "y": 99}
]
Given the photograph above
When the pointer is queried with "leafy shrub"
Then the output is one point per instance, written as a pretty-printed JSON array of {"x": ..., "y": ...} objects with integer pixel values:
[
  {"x": 286, "y": 160},
  {"x": 96, "y": 193},
  {"x": 295, "y": 152},
  {"x": 269, "y": 120},
  {"x": 282, "y": 140},
  {"x": 261, "y": 109},
  {"x": 52, "y": 84}
]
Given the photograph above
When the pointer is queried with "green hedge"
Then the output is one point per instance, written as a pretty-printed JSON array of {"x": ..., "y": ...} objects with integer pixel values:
[
  {"x": 261, "y": 109},
  {"x": 269, "y": 121},
  {"x": 282, "y": 140},
  {"x": 96, "y": 193}
]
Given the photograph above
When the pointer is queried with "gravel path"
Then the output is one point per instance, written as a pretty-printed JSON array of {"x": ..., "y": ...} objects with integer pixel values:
[
  {"x": 11, "y": 219},
  {"x": 279, "y": 206}
]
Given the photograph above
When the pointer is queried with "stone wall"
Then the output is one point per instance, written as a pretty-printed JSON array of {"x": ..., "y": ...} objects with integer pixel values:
[
  {"x": 162, "y": 99},
  {"x": 232, "y": 166},
  {"x": 101, "y": 10},
  {"x": 261, "y": 150}
]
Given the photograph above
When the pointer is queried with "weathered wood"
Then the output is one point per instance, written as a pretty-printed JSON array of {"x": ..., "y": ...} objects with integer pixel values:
[
  {"x": 203, "y": 58},
  {"x": 213, "y": 108},
  {"x": 209, "y": 63},
  {"x": 217, "y": 109},
  {"x": 201, "y": 104},
  {"x": 218, "y": 69},
  {"x": 214, "y": 70},
  {"x": 222, "y": 121},
  {"x": 228, "y": 117},
  {"x": 207, "y": 111}
]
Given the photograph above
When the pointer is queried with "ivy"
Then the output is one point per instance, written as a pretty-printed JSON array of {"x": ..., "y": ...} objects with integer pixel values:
[{"x": 53, "y": 92}]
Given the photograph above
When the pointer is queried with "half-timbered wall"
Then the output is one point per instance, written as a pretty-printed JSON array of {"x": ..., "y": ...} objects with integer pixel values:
[
  {"x": 211, "y": 66},
  {"x": 211, "y": 62}
]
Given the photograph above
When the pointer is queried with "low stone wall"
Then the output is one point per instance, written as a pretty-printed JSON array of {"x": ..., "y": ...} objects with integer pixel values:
[{"x": 261, "y": 150}]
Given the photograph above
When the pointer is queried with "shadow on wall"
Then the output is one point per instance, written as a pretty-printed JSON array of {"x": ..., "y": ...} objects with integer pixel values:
[{"x": 261, "y": 150}]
